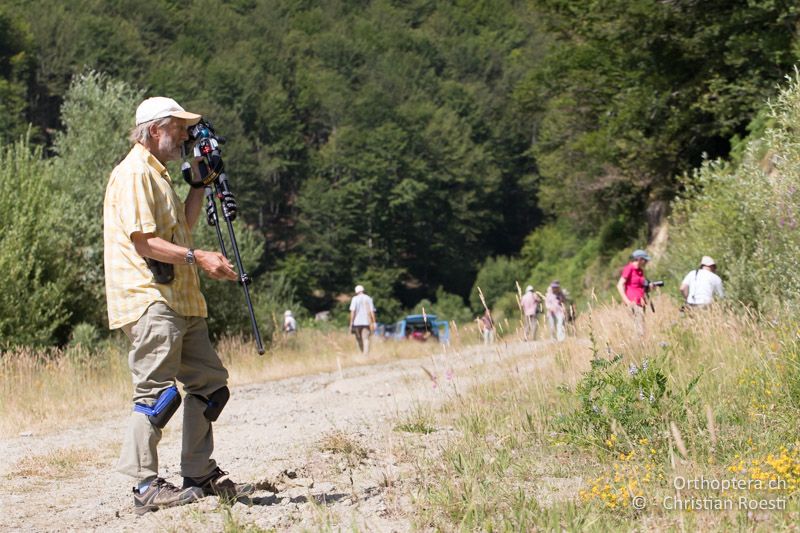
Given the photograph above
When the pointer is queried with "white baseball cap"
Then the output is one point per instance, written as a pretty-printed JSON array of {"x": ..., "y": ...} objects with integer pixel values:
[
  {"x": 706, "y": 261},
  {"x": 161, "y": 107},
  {"x": 529, "y": 288},
  {"x": 359, "y": 288}
]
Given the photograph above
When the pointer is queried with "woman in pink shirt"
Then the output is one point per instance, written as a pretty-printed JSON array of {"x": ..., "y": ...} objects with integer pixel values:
[{"x": 631, "y": 287}]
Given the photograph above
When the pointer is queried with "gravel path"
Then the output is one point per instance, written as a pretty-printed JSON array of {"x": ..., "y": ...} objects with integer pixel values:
[{"x": 273, "y": 434}]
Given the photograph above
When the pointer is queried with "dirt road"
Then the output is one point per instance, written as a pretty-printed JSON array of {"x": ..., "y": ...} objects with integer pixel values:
[{"x": 323, "y": 448}]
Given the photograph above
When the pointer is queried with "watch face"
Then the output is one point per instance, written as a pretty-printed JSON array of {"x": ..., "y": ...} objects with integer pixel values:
[{"x": 190, "y": 257}]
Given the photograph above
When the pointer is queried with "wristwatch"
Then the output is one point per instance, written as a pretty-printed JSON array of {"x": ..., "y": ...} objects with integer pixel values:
[{"x": 189, "y": 256}]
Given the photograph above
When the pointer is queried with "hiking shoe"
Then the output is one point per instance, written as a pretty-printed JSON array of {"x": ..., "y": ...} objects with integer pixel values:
[
  {"x": 218, "y": 484},
  {"x": 161, "y": 494}
]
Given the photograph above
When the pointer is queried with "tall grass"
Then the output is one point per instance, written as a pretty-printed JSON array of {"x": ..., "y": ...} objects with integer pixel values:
[
  {"x": 527, "y": 454},
  {"x": 54, "y": 388},
  {"x": 42, "y": 390}
]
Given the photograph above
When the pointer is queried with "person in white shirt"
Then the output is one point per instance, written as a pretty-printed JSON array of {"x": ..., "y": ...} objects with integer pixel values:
[
  {"x": 700, "y": 286},
  {"x": 362, "y": 318},
  {"x": 289, "y": 323}
]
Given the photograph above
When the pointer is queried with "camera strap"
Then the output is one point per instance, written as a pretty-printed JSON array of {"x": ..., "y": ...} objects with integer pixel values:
[{"x": 206, "y": 177}]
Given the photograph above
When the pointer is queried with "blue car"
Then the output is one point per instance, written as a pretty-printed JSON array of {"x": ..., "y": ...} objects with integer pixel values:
[{"x": 416, "y": 327}]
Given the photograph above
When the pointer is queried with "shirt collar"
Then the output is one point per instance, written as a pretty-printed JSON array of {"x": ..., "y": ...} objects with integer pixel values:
[{"x": 153, "y": 161}]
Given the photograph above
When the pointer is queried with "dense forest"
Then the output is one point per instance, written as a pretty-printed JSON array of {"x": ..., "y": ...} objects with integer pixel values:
[{"x": 421, "y": 148}]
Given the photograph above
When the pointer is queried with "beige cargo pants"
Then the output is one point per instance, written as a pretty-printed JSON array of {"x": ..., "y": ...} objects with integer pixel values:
[{"x": 166, "y": 347}]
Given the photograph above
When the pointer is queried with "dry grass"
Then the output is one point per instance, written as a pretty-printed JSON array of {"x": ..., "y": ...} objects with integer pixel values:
[
  {"x": 53, "y": 389},
  {"x": 317, "y": 351},
  {"x": 508, "y": 467},
  {"x": 339, "y": 442},
  {"x": 56, "y": 389},
  {"x": 58, "y": 464}
]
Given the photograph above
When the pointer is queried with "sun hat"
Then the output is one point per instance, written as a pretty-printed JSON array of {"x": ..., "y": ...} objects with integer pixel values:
[
  {"x": 706, "y": 261},
  {"x": 287, "y": 313},
  {"x": 640, "y": 254},
  {"x": 359, "y": 288},
  {"x": 161, "y": 107},
  {"x": 555, "y": 284},
  {"x": 529, "y": 288}
]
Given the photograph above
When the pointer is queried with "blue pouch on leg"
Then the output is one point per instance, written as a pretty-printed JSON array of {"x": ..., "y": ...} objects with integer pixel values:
[{"x": 166, "y": 405}]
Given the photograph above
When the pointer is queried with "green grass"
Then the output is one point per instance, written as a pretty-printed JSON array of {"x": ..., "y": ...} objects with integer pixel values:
[{"x": 528, "y": 456}]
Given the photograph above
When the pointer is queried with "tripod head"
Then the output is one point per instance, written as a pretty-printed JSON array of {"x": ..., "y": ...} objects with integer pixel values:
[
  {"x": 204, "y": 135},
  {"x": 211, "y": 167},
  {"x": 206, "y": 145},
  {"x": 208, "y": 154}
]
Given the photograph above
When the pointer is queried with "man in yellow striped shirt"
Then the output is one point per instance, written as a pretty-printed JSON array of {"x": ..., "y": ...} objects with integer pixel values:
[{"x": 153, "y": 295}]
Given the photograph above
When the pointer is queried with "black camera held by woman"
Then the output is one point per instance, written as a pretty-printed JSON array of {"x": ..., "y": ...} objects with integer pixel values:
[{"x": 650, "y": 284}]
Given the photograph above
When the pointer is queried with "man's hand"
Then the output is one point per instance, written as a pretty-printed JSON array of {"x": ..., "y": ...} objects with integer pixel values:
[{"x": 215, "y": 265}]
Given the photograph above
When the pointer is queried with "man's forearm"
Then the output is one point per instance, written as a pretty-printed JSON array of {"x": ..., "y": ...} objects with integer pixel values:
[
  {"x": 192, "y": 206},
  {"x": 160, "y": 249},
  {"x": 214, "y": 264}
]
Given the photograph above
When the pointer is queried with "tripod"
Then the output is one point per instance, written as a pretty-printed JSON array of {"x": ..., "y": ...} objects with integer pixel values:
[{"x": 215, "y": 182}]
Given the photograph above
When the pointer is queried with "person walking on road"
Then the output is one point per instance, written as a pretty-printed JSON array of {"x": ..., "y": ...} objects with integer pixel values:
[
  {"x": 530, "y": 303},
  {"x": 486, "y": 327},
  {"x": 362, "y": 318},
  {"x": 555, "y": 302}
]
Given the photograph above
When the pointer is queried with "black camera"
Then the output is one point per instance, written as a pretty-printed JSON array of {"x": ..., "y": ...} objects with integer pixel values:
[
  {"x": 204, "y": 143},
  {"x": 650, "y": 284},
  {"x": 205, "y": 138},
  {"x": 204, "y": 130}
]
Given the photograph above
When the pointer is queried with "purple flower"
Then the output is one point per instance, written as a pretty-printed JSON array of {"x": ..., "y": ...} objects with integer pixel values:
[{"x": 632, "y": 369}]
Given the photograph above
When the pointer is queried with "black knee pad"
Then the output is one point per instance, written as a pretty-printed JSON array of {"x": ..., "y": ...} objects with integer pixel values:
[
  {"x": 215, "y": 403},
  {"x": 166, "y": 405}
]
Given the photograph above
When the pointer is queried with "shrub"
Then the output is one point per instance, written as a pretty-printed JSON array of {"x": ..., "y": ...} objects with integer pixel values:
[
  {"x": 613, "y": 396},
  {"x": 745, "y": 215},
  {"x": 497, "y": 276},
  {"x": 446, "y": 306},
  {"x": 97, "y": 115},
  {"x": 36, "y": 275},
  {"x": 555, "y": 252}
]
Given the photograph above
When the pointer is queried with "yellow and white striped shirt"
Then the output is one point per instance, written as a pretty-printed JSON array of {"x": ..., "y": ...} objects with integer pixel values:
[{"x": 140, "y": 197}]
